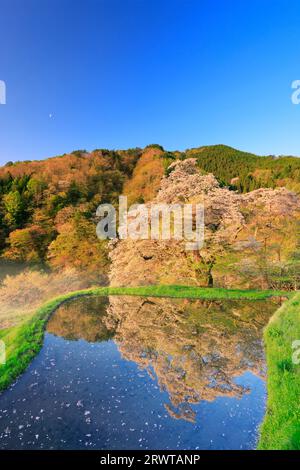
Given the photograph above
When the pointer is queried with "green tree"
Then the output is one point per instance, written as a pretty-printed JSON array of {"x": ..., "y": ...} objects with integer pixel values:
[
  {"x": 28, "y": 244},
  {"x": 14, "y": 208},
  {"x": 77, "y": 246}
]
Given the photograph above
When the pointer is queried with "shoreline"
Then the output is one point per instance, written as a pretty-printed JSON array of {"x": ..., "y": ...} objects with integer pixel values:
[{"x": 280, "y": 429}]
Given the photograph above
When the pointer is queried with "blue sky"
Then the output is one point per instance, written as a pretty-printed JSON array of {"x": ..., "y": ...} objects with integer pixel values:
[{"x": 125, "y": 73}]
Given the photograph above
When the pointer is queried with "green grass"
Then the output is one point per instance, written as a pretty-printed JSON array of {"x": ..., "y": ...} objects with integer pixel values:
[
  {"x": 191, "y": 292},
  {"x": 281, "y": 427},
  {"x": 25, "y": 340}
]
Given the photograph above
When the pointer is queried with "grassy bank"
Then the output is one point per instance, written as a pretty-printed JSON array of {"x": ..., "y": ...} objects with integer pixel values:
[
  {"x": 281, "y": 426},
  {"x": 191, "y": 292},
  {"x": 24, "y": 341}
]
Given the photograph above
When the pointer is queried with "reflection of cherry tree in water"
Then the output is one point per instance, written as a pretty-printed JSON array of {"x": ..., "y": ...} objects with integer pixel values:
[{"x": 195, "y": 348}]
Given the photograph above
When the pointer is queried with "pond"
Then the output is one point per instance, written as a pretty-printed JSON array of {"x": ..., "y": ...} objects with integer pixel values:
[{"x": 142, "y": 373}]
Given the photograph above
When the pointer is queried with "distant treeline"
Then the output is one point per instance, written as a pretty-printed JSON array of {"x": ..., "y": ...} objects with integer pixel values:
[{"x": 248, "y": 171}]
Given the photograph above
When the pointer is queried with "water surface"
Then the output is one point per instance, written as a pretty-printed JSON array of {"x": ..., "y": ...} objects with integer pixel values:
[{"x": 136, "y": 373}]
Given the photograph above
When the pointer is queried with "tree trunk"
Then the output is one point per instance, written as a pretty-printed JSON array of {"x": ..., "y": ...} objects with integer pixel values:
[{"x": 210, "y": 279}]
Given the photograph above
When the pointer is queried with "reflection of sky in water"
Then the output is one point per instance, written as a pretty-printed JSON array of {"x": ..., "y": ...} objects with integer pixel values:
[{"x": 78, "y": 395}]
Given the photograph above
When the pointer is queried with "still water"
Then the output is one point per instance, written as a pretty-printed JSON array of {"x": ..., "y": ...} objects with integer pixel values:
[{"x": 136, "y": 373}]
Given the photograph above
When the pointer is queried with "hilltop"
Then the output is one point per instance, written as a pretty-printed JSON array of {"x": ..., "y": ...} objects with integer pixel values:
[{"x": 249, "y": 171}]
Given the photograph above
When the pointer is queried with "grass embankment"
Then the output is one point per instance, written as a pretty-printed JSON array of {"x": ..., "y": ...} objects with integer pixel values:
[
  {"x": 24, "y": 341},
  {"x": 191, "y": 292},
  {"x": 281, "y": 427}
]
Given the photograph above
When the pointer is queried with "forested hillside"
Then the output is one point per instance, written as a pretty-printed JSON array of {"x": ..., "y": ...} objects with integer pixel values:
[
  {"x": 47, "y": 208},
  {"x": 245, "y": 171}
]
